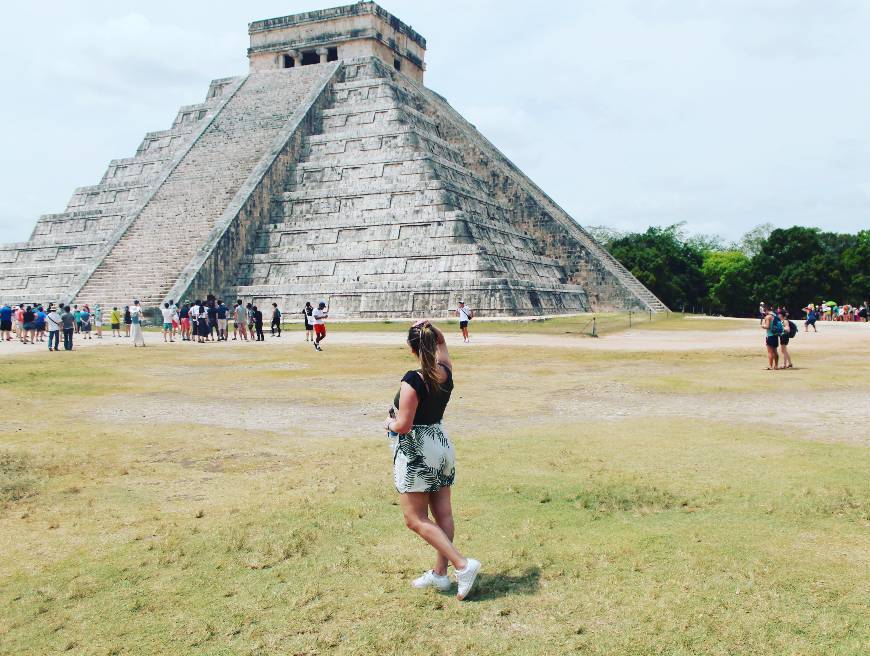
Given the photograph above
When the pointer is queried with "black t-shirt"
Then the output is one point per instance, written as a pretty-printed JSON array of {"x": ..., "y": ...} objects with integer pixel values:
[
  {"x": 29, "y": 316},
  {"x": 221, "y": 311},
  {"x": 184, "y": 312},
  {"x": 430, "y": 407},
  {"x": 212, "y": 313}
]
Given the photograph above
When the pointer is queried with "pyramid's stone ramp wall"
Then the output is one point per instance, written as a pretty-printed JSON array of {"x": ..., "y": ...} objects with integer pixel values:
[
  {"x": 176, "y": 223},
  {"x": 214, "y": 268},
  {"x": 383, "y": 218},
  {"x": 65, "y": 247},
  {"x": 610, "y": 285}
]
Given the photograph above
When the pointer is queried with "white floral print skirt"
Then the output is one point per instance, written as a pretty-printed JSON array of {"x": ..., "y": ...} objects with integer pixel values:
[{"x": 423, "y": 459}]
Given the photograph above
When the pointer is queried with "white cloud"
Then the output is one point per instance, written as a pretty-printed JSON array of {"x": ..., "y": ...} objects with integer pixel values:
[{"x": 627, "y": 112}]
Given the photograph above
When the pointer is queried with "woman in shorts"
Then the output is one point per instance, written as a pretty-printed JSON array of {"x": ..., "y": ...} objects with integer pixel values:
[
  {"x": 28, "y": 325},
  {"x": 308, "y": 321},
  {"x": 771, "y": 341},
  {"x": 86, "y": 322},
  {"x": 128, "y": 320},
  {"x": 115, "y": 319},
  {"x": 423, "y": 458},
  {"x": 783, "y": 340}
]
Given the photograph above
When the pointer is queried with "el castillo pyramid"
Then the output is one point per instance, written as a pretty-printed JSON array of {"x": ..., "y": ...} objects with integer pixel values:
[{"x": 331, "y": 172}]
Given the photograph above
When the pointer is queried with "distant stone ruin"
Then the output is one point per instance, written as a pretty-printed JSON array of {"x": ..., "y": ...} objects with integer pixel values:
[{"x": 327, "y": 172}]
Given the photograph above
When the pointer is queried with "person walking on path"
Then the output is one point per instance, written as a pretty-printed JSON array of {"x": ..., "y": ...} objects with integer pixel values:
[
  {"x": 54, "y": 326},
  {"x": 424, "y": 462},
  {"x": 465, "y": 315},
  {"x": 276, "y": 320},
  {"x": 128, "y": 320},
  {"x": 78, "y": 315},
  {"x": 771, "y": 338},
  {"x": 307, "y": 319},
  {"x": 168, "y": 330},
  {"x": 812, "y": 316},
  {"x": 136, "y": 322},
  {"x": 320, "y": 315},
  {"x": 6, "y": 323},
  {"x": 240, "y": 318},
  {"x": 115, "y": 320},
  {"x": 784, "y": 338},
  {"x": 68, "y": 322}
]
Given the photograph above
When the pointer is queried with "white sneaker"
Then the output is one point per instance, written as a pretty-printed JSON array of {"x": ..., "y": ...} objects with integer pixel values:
[
  {"x": 432, "y": 580},
  {"x": 465, "y": 578}
]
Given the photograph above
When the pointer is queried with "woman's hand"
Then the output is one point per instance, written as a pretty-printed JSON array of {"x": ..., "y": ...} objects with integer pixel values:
[{"x": 387, "y": 424}]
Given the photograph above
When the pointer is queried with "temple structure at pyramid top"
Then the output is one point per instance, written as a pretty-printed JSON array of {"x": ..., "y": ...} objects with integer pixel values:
[
  {"x": 327, "y": 172},
  {"x": 358, "y": 31}
]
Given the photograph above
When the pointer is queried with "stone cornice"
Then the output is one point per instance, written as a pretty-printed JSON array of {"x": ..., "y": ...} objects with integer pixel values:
[
  {"x": 358, "y": 9},
  {"x": 321, "y": 40}
]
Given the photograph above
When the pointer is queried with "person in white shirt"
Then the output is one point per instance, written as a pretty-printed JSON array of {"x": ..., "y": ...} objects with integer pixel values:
[
  {"x": 136, "y": 318},
  {"x": 318, "y": 316},
  {"x": 465, "y": 315},
  {"x": 54, "y": 321},
  {"x": 168, "y": 319},
  {"x": 240, "y": 318}
]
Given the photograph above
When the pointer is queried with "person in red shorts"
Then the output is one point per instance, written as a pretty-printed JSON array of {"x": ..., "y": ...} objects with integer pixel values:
[{"x": 318, "y": 316}]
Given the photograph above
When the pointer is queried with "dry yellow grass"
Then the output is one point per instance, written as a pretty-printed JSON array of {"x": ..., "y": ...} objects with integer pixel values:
[{"x": 237, "y": 500}]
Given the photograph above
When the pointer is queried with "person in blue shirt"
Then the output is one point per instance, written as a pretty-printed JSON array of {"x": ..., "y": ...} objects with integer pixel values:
[
  {"x": 85, "y": 322},
  {"x": 6, "y": 322},
  {"x": 221, "y": 311},
  {"x": 40, "y": 324}
]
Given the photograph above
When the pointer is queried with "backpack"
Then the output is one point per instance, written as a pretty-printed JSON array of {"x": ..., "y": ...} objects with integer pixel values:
[
  {"x": 792, "y": 330},
  {"x": 776, "y": 326}
]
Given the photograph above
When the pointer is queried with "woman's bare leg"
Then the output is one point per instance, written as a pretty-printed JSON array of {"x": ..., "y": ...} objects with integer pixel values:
[
  {"x": 442, "y": 513},
  {"x": 415, "y": 508}
]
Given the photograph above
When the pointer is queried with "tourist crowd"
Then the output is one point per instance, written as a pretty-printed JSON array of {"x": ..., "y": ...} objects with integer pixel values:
[{"x": 193, "y": 321}]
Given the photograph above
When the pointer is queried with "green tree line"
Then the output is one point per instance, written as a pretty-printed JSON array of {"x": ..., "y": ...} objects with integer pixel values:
[{"x": 782, "y": 266}]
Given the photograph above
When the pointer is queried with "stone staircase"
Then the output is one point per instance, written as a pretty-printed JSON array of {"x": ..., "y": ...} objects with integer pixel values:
[
  {"x": 146, "y": 260},
  {"x": 381, "y": 215},
  {"x": 64, "y": 247}
]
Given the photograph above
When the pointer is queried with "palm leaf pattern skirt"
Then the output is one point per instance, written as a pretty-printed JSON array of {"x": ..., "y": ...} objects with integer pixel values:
[{"x": 423, "y": 460}]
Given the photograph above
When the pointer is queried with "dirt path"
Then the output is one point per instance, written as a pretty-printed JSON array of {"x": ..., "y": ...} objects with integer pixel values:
[{"x": 745, "y": 334}]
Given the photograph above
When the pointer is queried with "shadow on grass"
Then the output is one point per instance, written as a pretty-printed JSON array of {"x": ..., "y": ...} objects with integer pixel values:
[{"x": 493, "y": 586}]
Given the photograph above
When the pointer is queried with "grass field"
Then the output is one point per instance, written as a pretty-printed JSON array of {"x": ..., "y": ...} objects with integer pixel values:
[{"x": 237, "y": 500}]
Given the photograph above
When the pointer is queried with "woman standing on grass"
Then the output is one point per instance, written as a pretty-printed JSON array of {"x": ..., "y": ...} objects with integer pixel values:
[{"x": 423, "y": 458}]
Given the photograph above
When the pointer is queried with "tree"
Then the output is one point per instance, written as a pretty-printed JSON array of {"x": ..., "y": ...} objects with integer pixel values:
[
  {"x": 753, "y": 240},
  {"x": 727, "y": 275},
  {"x": 661, "y": 260},
  {"x": 856, "y": 267},
  {"x": 798, "y": 265}
]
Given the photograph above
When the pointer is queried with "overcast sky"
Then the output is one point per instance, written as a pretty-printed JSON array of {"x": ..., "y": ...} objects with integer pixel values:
[{"x": 721, "y": 113}]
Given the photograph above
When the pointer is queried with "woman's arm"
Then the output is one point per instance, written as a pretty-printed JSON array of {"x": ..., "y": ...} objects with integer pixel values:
[
  {"x": 408, "y": 402},
  {"x": 442, "y": 354}
]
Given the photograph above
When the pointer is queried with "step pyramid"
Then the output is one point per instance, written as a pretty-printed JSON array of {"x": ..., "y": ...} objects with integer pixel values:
[{"x": 322, "y": 175}]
